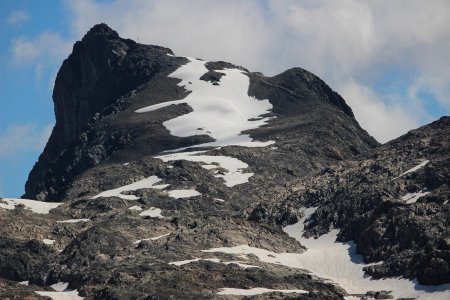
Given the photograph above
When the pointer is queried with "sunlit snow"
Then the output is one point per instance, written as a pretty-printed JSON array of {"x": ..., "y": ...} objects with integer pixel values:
[
  {"x": 152, "y": 238},
  {"x": 339, "y": 263},
  {"x": 183, "y": 193},
  {"x": 216, "y": 260},
  {"x": 48, "y": 241},
  {"x": 153, "y": 212},
  {"x": 413, "y": 197},
  {"x": 222, "y": 111},
  {"x": 147, "y": 183},
  {"x": 421, "y": 165},
  {"x": 60, "y": 286},
  {"x": 38, "y": 207},
  {"x": 233, "y": 168},
  {"x": 136, "y": 207},
  {"x": 61, "y": 292},
  {"x": 73, "y": 221}
]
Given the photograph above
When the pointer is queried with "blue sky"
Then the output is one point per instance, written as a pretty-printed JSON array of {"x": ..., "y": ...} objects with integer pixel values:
[{"x": 389, "y": 59}]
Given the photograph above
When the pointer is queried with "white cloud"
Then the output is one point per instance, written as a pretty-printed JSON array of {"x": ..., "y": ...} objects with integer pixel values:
[
  {"x": 23, "y": 138},
  {"x": 17, "y": 17},
  {"x": 383, "y": 121},
  {"x": 231, "y": 30}
]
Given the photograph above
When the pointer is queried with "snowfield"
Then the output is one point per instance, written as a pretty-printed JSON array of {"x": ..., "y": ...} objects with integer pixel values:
[
  {"x": 221, "y": 111},
  {"x": 38, "y": 207},
  {"x": 339, "y": 263}
]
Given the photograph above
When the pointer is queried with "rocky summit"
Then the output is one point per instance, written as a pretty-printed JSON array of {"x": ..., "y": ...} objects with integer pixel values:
[{"x": 169, "y": 177}]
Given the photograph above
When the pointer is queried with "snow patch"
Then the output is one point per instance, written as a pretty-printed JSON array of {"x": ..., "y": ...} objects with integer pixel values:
[
  {"x": 233, "y": 167},
  {"x": 153, "y": 212},
  {"x": 413, "y": 197},
  {"x": 38, "y": 207},
  {"x": 219, "y": 200},
  {"x": 216, "y": 260},
  {"x": 183, "y": 193},
  {"x": 152, "y": 238},
  {"x": 223, "y": 111},
  {"x": 421, "y": 165},
  {"x": 184, "y": 262},
  {"x": 60, "y": 286},
  {"x": 73, "y": 221},
  {"x": 136, "y": 207},
  {"x": 255, "y": 291},
  {"x": 147, "y": 183},
  {"x": 61, "y": 292}
]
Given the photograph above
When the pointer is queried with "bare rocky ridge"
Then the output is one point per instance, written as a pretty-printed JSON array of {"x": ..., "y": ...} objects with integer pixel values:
[
  {"x": 106, "y": 248},
  {"x": 396, "y": 217}
]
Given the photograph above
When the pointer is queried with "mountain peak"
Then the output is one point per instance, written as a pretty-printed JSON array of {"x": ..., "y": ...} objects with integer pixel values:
[{"x": 101, "y": 30}]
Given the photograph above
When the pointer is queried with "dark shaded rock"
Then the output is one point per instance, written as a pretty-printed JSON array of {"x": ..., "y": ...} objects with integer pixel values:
[
  {"x": 101, "y": 69},
  {"x": 19, "y": 260}
]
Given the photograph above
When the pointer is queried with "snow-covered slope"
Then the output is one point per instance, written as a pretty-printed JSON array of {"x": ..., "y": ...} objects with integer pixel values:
[{"x": 222, "y": 110}]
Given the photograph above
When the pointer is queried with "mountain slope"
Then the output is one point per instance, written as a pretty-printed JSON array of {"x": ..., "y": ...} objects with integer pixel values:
[
  {"x": 393, "y": 202},
  {"x": 93, "y": 125},
  {"x": 181, "y": 178}
]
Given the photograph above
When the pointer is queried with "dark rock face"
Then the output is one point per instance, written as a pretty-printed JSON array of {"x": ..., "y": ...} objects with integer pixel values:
[
  {"x": 101, "y": 69},
  {"x": 21, "y": 259}
]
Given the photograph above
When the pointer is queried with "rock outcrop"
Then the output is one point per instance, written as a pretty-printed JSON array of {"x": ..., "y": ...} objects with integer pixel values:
[
  {"x": 101, "y": 69},
  {"x": 106, "y": 78},
  {"x": 392, "y": 201}
]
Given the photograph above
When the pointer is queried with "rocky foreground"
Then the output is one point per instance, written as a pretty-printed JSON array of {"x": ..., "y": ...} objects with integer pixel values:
[{"x": 168, "y": 177}]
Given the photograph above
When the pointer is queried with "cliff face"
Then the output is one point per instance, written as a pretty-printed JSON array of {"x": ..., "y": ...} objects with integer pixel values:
[{"x": 102, "y": 68}]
